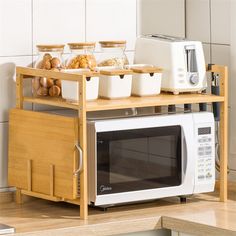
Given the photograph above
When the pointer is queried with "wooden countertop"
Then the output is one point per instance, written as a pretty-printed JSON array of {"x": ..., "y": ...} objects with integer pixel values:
[{"x": 202, "y": 215}]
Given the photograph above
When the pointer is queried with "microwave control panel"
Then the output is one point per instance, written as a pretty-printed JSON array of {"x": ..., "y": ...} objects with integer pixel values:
[{"x": 205, "y": 154}]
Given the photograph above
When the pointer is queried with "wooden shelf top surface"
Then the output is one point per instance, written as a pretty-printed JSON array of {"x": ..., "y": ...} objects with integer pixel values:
[{"x": 131, "y": 102}]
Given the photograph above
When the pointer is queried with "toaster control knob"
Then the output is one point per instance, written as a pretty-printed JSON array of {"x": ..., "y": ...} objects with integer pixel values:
[{"x": 194, "y": 79}]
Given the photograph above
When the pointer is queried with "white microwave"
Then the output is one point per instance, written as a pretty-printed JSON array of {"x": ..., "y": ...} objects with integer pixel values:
[{"x": 150, "y": 157}]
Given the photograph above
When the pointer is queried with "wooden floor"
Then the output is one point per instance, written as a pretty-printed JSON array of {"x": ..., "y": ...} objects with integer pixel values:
[{"x": 39, "y": 215}]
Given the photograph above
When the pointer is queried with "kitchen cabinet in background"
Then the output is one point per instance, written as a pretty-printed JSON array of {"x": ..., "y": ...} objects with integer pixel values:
[
  {"x": 198, "y": 20},
  {"x": 207, "y": 52},
  {"x": 161, "y": 17},
  {"x": 220, "y": 54},
  {"x": 220, "y": 21}
]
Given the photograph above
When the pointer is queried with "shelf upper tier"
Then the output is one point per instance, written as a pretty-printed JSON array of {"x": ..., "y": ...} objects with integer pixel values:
[{"x": 131, "y": 102}]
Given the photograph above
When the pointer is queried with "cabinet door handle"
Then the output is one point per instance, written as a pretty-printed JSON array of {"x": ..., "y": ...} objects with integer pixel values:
[{"x": 76, "y": 172}]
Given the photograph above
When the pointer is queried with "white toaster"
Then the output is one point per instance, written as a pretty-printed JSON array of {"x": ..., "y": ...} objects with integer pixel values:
[{"x": 182, "y": 61}]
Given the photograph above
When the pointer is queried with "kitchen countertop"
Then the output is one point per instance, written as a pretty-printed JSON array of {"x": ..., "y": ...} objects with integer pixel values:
[{"x": 202, "y": 215}]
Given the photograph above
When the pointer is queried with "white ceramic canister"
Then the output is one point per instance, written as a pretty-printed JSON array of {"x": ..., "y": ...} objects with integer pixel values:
[
  {"x": 146, "y": 80},
  {"x": 115, "y": 83},
  {"x": 70, "y": 89}
]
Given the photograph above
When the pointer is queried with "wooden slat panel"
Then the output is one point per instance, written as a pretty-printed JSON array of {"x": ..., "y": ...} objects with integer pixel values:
[{"x": 46, "y": 140}]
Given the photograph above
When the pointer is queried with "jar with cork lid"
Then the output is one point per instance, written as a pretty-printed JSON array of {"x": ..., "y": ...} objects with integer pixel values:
[
  {"x": 113, "y": 54},
  {"x": 82, "y": 56},
  {"x": 49, "y": 58}
]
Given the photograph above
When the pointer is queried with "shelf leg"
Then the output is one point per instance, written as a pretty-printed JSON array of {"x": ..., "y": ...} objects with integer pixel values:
[
  {"x": 224, "y": 135},
  {"x": 83, "y": 144},
  {"x": 18, "y": 197}
]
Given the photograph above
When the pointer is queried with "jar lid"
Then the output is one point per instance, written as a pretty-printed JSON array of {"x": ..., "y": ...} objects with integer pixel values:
[
  {"x": 85, "y": 72},
  {"x": 116, "y": 72},
  {"x": 50, "y": 47},
  {"x": 81, "y": 45},
  {"x": 146, "y": 69},
  {"x": 110, "y": 44}
]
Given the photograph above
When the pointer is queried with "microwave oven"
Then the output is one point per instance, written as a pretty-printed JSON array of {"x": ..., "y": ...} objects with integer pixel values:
[{"x": 150, "y": 157}]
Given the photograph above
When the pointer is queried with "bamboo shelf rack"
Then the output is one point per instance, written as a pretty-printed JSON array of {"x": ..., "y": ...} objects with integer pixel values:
[{"x": 38, "y": 171}]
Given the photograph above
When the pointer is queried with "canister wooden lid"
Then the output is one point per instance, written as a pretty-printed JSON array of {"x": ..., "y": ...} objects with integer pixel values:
[
  {"x": 147, "y": 69},
  {"x": 86, "y": 73},
  {"x": 81, "y": 45},
  {"x": 117, "y": 43},
  {"x": 50, "y": 47},
  {"x": 116, "y": 72}
]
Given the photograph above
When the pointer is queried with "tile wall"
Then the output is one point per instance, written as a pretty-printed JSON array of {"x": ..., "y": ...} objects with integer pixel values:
[{"x": 26, "y": 23}]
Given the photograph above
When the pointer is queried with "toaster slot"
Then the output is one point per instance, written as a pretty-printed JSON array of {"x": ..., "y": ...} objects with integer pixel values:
[{"x": 191, "y": 59}]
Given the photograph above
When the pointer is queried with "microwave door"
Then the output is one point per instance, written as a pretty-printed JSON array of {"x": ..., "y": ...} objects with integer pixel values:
[{"x": 138, "y": 159}]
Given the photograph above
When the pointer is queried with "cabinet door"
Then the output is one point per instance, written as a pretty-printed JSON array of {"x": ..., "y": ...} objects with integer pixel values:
[
  {"x": 220, "y": 21},
  {"x": 161, "y": 17},
  {"x": 198, "y": 20},
  {"x": 42, "y": 157}
]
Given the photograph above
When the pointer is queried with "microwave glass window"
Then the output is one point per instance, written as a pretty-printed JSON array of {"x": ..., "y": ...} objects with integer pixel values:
[{"x": 139, "y": 159}]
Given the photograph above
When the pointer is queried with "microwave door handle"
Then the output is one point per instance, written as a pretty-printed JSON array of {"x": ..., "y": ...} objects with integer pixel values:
[{"x": 76, "y": 172}]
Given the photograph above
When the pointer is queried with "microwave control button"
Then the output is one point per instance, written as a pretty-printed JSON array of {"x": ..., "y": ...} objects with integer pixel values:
[
  {"x": 200, "y": 170},
  {"x": 200, "y": 160},
  {"x": 201, "y": 177},
  {"x": 208, "y": 175},
  {"x": 194, "y": 79},
  {"x": 200, "y": 166},
  {"x": 200, "y": 153},
  {"x": 207, "y": 153},
  {"x": 200, "y": 149}
]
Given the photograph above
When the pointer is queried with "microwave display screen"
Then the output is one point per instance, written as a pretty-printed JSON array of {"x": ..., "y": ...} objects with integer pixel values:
[
  {"x": 205, "y": 130},
  {"x": 138, "y": 159}
]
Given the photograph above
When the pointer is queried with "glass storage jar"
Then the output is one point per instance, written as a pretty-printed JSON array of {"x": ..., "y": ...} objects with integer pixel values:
[
  {"x": 82, "y": 56},
  {"x": 113, "y": 54},
  {"x": 49, "y": 58}
]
